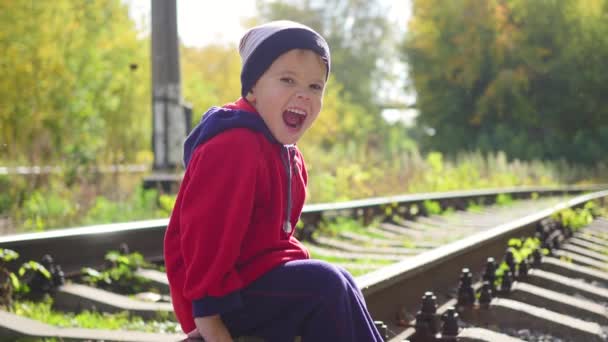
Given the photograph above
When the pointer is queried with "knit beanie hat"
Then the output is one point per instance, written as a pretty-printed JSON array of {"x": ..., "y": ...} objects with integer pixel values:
[{"x": 261, "y": 45}]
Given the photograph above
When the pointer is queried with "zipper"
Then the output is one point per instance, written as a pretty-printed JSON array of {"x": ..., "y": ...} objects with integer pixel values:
[{"x": 287, "y": 164}]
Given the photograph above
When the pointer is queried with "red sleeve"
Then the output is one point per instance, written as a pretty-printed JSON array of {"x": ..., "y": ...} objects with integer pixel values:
[{"x": 215, "y": 213}]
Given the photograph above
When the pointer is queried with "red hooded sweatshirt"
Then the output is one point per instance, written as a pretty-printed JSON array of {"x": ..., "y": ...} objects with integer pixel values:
[{"x": 235, "y": 213}]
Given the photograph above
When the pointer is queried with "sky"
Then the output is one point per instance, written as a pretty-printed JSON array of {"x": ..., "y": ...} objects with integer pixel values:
[{"x": 201, "y": 22}]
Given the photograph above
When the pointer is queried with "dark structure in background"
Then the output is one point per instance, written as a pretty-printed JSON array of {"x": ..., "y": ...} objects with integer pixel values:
[{"x": 171, "y": 118}]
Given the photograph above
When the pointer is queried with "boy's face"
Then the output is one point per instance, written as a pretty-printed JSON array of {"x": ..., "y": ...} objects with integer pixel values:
[{"x": 289, "y": 95}]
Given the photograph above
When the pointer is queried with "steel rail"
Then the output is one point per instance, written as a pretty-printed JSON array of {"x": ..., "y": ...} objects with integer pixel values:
[
  {"x": 398, "y": 288},
  {"x": 74, "y": 248},
  {"x": 451, "y": 196}
]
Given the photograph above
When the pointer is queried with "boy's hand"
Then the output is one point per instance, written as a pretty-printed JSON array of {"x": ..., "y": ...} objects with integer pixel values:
[
  {"x": 211, "y": 328},
  {"x": 194, "y": 335}
]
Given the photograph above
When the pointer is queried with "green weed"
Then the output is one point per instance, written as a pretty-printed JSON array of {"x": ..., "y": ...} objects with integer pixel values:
[
  {"x": 432, "y": 207},
  {"x": 42, "y": 311},
  {"x": 19, "y": 284},
  {"x": 473, "y": 207},
  {"x": 578, "y": 218},
  {"x": 522, "y": 249},
  {"x": 120, "y": 276},
  {"x": 504, "y": 199}
]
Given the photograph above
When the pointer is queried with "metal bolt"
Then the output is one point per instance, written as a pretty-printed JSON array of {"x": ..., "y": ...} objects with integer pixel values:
[
  {"x": 555, "y": 243},
  {"x": 489, "y": 273},
  {"x": 466, "y": 293},
  {"x": 548, "y": 246},
  {"x": 541, "y": 229},
  {"x": 427, "y": 324},
  {"x": 486, "y": 294},
  {"x": 524, "y": 267},
  {"x": 507, "y": 282},
  {"x": 425, "y": 329},
  {"x": 57, "y": 275},
  {"x": 510, "y": 259},
  {"x": 450, "y": 323},
  {"x": 429, "y": 303},
  {"x": 123, "y": 249},
  {"x": 537, "y": 258}
]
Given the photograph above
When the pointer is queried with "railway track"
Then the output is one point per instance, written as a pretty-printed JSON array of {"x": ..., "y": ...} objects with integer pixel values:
[{"x": 409, "y": 255}]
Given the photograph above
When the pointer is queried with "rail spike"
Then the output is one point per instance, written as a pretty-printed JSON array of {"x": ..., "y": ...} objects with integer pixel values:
[
  {"x": 466, "y": 293},
  {"x": 489, "y": 273},
  {"x": 510, "y": 259},
  {"x": 548, "y": 246},
  {"x": 543, "y": 229},
  {"x": 123, "y": 249},
  {"x": 507, "y": 282},
  {"x": 39, "y": 284},
  {"x": 523, "y": 269},
  {"x": 57, "y": 275},
  {"x": 450, "y": 329},
  {"x": 486, "y": 294},
  {"x": 427, "y": 323},
  {"x": 537, "y": 258}
]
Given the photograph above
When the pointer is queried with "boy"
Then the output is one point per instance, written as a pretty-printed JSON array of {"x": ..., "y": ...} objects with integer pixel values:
[{"x": 233, "y": 264}]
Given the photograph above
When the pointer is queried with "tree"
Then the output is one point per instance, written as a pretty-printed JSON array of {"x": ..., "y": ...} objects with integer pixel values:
[
  {"x": 74, "y": 83},
  {"x": 211, "y": 77},
  {"x": 520, "y": 76}
]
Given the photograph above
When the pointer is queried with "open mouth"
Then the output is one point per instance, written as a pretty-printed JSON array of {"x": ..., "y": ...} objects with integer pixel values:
[{"x": 294, "y": 117}]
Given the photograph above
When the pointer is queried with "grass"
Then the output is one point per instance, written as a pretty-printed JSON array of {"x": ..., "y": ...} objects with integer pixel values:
[
  {"x": 358, "y": 261},
  {"x": 342, "y": 224},
  {"x": 43, "y": 312}
]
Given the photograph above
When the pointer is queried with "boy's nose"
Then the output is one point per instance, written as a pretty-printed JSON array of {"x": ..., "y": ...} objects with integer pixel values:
[{"x": 303, "y": 94}]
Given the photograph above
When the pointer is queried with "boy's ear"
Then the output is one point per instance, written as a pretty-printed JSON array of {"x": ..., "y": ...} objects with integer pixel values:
[{"x": 250, "y": 97}]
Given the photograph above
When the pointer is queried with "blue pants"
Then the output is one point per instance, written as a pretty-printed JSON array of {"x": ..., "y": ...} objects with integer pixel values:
[{"x": 309, "y": 298}]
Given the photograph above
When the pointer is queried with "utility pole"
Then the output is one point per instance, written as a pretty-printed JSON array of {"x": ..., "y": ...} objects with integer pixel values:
[{"x": 171, "y": 119}]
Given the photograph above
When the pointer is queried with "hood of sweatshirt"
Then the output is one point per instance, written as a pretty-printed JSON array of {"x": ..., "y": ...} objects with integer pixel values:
[{"x": 239, "y": 114}]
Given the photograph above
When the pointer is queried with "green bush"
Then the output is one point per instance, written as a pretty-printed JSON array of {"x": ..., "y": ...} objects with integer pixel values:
[
  {"x": 141, "y": 205},
  {"x": 334, "y": 175},
  {"x": 46, "y": 209}
]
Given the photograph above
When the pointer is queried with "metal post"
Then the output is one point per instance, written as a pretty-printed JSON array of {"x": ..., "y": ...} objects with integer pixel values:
[{"x": 169, "y": 126}]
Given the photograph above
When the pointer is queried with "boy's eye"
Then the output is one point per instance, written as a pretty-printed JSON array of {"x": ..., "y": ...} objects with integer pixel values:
[
  {"x": 287, "y": 80},
  {"x": 316, "y": 86}
]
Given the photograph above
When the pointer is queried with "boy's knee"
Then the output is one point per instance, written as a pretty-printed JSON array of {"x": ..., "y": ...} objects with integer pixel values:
[{"x": 330, "y": 278}]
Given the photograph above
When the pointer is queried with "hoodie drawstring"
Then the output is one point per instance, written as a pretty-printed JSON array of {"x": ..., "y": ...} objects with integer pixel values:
[{"x": 287, "y": 163}]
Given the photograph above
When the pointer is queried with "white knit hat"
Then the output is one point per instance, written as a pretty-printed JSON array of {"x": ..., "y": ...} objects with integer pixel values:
[{"x": 262, "y": 44}]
